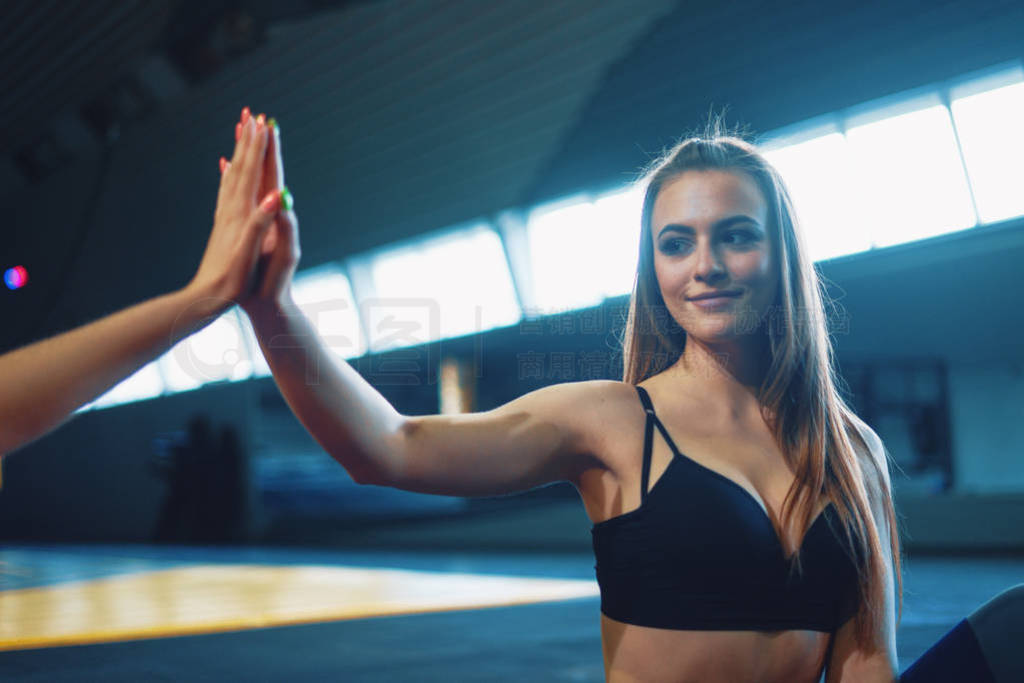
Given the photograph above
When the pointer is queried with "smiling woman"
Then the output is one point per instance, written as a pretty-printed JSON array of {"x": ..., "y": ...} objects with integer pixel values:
[
  {"x": 766, "y": 551},
  {"x": 758, "y": 449}
]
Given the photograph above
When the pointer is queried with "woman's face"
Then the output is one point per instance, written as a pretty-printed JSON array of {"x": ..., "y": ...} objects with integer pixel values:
[{"x": 710, "y": 234}]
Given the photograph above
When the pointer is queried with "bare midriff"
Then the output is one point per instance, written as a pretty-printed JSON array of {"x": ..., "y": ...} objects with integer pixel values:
[{"x": 653, "y": 655}]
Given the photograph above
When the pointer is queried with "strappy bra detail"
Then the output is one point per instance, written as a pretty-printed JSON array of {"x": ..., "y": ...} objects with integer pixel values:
[
  {"x": 687, "y": 461},
  {"x": 701, "y": 553}
]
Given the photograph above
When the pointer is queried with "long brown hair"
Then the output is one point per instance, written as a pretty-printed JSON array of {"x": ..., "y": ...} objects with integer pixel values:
[{"x": 800, "y": 397}]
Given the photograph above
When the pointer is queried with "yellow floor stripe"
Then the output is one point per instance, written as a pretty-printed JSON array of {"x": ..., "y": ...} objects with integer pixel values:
[{"x": 212, "y": 598}]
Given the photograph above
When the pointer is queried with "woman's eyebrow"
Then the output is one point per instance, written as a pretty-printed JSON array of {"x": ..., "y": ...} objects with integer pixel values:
[{"x": 725, "y": 222}]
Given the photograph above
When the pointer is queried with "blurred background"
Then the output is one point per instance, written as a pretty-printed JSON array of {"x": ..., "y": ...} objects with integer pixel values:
[{"x": 469, "y": 233}]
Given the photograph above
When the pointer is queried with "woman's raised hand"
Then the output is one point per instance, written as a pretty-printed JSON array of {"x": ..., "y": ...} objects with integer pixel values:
[
  {"x": 279, "y": 250},
  {"x": 243, "y": 218}
]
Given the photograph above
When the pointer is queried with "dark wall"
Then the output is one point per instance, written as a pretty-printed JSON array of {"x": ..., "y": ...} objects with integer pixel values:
[{"x": 92, "y": 479}]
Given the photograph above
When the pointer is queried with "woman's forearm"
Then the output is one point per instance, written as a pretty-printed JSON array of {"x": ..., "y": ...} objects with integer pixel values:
[
  {"x": 43, "y": 383},
  {"x": 353, "y": 422}
]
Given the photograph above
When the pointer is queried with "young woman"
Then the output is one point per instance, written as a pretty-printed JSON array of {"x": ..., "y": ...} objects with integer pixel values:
[
  {"x": 45, "y": 382},
  {"x": 744, "y": 528}
]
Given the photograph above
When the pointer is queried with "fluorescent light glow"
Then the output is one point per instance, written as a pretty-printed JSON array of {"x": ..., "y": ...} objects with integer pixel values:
[
  {"x": 817, "y": 174},
  {"x": 259, "y": 363},
  {"x": 145, "y": 383},
  {"x": 567, "y": 250},
  {"x": 908, "y": 178},
  {"x": 991, "y": 129},
  {"x": 325, "y": 297},
  {"x": 215, "y": 353},
  {"x": 443, "y": 287},
  {"x": 616, "y": 225}
]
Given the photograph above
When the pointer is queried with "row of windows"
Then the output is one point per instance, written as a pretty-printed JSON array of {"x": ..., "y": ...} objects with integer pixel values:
[{"x": 933, "y": 161}]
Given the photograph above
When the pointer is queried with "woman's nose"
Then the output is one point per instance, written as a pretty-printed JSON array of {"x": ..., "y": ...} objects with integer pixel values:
[{"x": 709, "y": 267}]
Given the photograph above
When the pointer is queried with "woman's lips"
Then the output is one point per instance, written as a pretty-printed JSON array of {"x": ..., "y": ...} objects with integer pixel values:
[{"x": 715, "y": 302}]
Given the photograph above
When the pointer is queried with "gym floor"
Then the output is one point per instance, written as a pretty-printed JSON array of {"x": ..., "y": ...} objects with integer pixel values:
[{"x": 172, "y": 613}]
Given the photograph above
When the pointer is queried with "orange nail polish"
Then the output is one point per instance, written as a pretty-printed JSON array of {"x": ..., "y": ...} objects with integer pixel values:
[
  {"x": 270, "y": 201},
  {"x": 238, "y": 132},
  {"x": 245, "y": 114},
  {"x": 223, "y": 163}
]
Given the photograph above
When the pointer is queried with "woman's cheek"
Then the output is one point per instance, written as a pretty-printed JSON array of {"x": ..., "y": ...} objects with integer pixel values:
[{"x": 751, "y": 266}]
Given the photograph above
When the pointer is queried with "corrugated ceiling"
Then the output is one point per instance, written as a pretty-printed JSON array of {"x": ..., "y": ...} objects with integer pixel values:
[
  {"x": 398, "y": 116},
  {"x": 56, "y": 55}
]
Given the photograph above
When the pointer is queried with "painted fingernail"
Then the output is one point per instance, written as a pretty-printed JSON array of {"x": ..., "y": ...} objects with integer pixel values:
[
  {"x": 272, "y": 123},
  {"x": 238, "y": 132},
  {"x": 270, "y": 201},
  {"x": 245, "y": 114},
  {"x": 223, "y": 163},
  {"x": 287, "y": 202}
]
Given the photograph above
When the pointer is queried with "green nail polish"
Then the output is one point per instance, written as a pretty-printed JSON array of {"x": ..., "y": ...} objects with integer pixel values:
[
  {"x": 273, "y": 124},
  {"x": 286, "y": 200}
]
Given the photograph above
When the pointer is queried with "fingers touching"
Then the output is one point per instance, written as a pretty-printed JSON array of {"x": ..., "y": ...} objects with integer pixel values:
[
  {"x": 256, "y": 168},
  {"x": 247, "y": 162},
  {"x": 275, "y": 168},
  {"x": 249, "y": 157}
]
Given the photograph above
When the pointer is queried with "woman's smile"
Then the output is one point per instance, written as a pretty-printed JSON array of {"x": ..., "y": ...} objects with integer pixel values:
[{"x": 715, "y": 303}]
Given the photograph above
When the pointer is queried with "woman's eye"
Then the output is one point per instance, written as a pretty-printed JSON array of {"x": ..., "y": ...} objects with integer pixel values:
[
  {"x": 733, "y": 237},
  {"x": 744, "y": 235},
  {"x": 671, "y": 246}
]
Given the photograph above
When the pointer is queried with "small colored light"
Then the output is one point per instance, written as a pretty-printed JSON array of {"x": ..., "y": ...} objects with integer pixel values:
[{"x": 16, "y": 277}]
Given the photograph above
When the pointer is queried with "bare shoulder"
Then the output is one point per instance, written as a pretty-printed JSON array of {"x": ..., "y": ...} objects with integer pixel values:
[
  {"x": 596, "y": 413},
  {"x": 593, "y": 408}
]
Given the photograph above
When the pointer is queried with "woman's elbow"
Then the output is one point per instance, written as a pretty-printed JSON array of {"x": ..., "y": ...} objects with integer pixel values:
[{"x": 378, "y": 467}]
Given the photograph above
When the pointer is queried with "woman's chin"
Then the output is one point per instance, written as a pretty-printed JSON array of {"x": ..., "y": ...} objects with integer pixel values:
[{"x": 719, "y": 327}]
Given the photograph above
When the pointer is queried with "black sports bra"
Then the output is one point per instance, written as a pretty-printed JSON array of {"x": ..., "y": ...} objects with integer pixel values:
[{"x": 701, "y": 554}]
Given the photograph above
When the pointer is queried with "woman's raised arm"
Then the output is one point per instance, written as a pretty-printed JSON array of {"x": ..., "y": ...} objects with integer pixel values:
[
  {"x": 538, "y": 438},
  {"x": 541, "y": 437}
]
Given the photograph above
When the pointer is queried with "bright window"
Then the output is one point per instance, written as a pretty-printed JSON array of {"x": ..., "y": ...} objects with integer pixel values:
[
  {"x": 215, "y": 353},
  {"x": 145, "y": 383},
  {"x": 259, "y": 363},
  {"x": 617, "y": 230},
  {"x": 991, "y": 129},
  {"x": 324, "y": 295},
  {"x": 909, "y": 181},
  {"x": 568, "y": 249},
  {"x": 443, "y": 287},
  {"x": 817, "y": 174}
]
